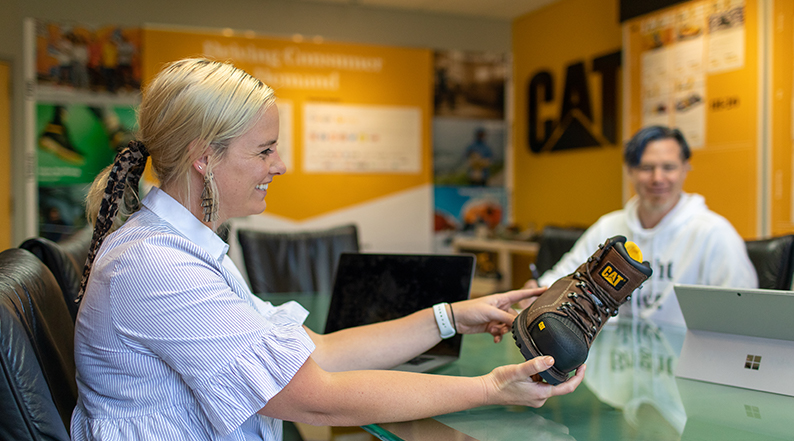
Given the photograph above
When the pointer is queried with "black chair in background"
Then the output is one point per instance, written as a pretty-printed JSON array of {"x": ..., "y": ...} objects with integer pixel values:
[
  {"x": 38, "y": 390},
  {"x": 773, "y": 261},
  {"x": 77, "y": 246},
  {"x": 295, "y": 261},
  {"x": 62, "y": 265},
  {"x": 553, "y": 243}
]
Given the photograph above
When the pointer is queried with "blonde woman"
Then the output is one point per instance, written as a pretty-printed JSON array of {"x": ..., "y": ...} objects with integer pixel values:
[{"x": 171, "y": 344}]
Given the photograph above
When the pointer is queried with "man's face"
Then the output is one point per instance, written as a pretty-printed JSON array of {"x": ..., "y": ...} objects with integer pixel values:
[{"x": 659, "y": 178}]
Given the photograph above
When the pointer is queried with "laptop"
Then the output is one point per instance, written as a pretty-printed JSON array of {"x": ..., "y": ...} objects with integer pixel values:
[
  {"x": 370, "y": 288},
  {"x": 738, "y": 337}
]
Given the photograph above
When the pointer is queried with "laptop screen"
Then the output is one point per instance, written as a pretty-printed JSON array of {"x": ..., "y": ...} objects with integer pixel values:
[{"x": 371, "y": 288}]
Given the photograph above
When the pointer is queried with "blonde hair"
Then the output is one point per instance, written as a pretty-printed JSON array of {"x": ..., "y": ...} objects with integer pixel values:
[{"x": 190, "y": 105}]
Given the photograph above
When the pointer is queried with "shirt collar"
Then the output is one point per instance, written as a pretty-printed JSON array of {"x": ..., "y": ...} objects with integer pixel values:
[{"x": 168, "y": 209}]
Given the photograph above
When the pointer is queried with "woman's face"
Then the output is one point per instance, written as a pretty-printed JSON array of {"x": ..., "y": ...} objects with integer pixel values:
[{"x": 250, "y": 163}]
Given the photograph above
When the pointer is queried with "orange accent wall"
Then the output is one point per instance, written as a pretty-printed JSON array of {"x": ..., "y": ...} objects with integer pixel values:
[
  {"x": 573, "y": 187},
  {"x": 782, "y": 136},
  {"x": 404, "y": 80}
]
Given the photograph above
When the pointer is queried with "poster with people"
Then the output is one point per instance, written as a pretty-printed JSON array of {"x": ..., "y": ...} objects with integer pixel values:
[
  {"x": 469, "y": 144},
  {"x": 73, "y": 57},
  {"x": 468, "y": 152},
  {"x": 87, "y": 82}
]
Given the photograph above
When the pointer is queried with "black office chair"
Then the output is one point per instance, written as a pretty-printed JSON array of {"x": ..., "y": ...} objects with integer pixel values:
[
  {"x": 295, "y": 261},
  {"x": 76, "y": 246},
  {"x": 773, "y": 261},
  {"x": 62, "y": 266},
  {"x": 38, "y": 390},
  {"x": 554, "y": 242}
]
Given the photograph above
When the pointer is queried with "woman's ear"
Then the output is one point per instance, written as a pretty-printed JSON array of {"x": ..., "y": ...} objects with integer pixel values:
[{"x": 200, "y": 164}]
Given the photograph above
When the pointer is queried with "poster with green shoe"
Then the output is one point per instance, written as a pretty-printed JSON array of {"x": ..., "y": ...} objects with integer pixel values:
[{"x": 74, "y": 143}]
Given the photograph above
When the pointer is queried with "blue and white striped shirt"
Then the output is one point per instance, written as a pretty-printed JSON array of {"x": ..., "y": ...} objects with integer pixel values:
[{"x": 171, "y": 344}]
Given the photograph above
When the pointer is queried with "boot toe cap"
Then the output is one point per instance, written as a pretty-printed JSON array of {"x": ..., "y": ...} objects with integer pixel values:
[{"x": 560, "y": 338}]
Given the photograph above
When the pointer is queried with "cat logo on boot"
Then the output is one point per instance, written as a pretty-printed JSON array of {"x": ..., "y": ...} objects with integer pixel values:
[{"x": 613, "y": 276}]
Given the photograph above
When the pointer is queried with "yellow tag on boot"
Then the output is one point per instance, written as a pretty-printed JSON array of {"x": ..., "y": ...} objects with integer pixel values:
[{"x": 633, "y": 250}]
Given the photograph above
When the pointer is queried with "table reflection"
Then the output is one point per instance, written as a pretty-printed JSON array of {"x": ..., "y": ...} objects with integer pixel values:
[{"x": 631, "y": 366}]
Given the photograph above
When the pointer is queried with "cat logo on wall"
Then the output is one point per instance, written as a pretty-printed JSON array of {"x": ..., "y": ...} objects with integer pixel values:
[{"x": 575, "y": 127}]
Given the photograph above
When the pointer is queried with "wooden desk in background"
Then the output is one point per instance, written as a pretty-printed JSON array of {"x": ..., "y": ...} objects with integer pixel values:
[{"x": 512, "y": 260}]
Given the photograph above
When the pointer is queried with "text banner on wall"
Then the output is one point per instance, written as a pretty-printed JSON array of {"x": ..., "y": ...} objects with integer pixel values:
[
  {"x": 341, "y": 102},
  {"x": 695, "y": 66}
]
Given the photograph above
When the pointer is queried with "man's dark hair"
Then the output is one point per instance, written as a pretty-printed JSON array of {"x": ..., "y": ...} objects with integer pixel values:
[{"x": 636, "y": 145}]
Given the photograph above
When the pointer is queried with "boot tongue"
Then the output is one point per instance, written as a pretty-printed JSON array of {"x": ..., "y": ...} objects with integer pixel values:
[{"x": 617, "y": 274}]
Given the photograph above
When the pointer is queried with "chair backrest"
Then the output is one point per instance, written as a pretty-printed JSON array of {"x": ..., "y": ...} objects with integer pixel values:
[
  {"x": 295, "y": 261},
  {"x": 62, "y": 266},
  {"x": 76, "y": 246},
  {"x": 553, "y": 243},
  {"x": 38, "y": 390},
  {"x": 773, "y": 261}
]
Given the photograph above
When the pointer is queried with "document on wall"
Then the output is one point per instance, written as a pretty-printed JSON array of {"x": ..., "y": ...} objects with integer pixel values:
[
  {"x": 655, "y": 70},
  {"x": 689, "y": 74},
  {"x": 726, "y": 35},
  {"x": 361, "y": 139}
]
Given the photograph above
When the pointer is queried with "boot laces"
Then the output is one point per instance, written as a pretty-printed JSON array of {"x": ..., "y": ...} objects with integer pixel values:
[{"x": 602, "y": 302}]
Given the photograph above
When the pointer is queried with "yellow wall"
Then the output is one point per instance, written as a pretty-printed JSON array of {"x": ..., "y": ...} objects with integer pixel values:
[
  {"x": 5, "y": 156},
  {"x": 404, "y": 80},
  {"x": 574, "y": 186},
  {"x": 725, "y": 168},
  {"x": 782, "y": 67}
]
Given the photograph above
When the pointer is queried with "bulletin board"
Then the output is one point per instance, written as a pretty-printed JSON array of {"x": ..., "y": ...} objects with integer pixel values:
[
  {"x": 695, "y": 66},
  {"x": 355, "y": 119}
]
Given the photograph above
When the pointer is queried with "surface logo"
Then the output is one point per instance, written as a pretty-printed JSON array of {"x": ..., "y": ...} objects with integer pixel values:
[
  {"x": 752, "y": 411},
  {"x": 576, "y": 126},
  {"x": 752, "y": 362},
  {"x": 541, "y": 326},
  {"x": 613, "y": 276}
]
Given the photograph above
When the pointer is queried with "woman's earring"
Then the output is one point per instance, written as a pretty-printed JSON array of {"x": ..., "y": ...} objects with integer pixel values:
[{"x": 208, "y": 202}]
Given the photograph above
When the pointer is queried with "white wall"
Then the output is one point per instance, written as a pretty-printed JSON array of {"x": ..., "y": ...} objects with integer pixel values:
[{"x": 344, "y": 23}]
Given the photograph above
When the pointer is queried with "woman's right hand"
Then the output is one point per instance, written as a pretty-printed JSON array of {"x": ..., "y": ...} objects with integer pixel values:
[{"x": 514, "y": 384}]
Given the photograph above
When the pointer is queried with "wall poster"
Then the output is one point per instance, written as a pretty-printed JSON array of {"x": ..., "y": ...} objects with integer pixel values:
[
  {"x": 469, "y": 143},
  {"x": 85, "y": 84}
]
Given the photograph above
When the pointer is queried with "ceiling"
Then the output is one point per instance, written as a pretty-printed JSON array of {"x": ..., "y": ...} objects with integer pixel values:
[{"x": 494, "y": 9}]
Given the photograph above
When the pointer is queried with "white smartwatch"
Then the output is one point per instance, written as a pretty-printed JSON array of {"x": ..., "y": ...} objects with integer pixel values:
[{"x": 445, "y": 327}]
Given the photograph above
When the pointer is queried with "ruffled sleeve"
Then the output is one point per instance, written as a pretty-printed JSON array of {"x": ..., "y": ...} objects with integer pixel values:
[{"x": 229, "y": 397}]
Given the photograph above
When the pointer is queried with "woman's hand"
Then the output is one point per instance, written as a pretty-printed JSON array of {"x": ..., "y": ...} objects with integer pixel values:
[
  {"x": 493, "y": 314},
  {"x": 514, "y": 384}
]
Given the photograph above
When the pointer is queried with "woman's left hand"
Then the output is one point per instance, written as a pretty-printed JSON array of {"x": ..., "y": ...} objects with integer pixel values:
[{"x": 493, "y": 314}]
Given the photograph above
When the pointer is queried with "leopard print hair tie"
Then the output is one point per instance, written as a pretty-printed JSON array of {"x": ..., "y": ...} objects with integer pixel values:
[{"x": 127, "y": 170}]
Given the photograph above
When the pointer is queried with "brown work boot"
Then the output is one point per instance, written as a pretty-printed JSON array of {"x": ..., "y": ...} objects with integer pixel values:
[{"x": 564, "y": 320}]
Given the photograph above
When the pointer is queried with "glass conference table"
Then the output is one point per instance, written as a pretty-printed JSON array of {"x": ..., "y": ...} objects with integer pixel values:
[{"x": 630, "y": 392}]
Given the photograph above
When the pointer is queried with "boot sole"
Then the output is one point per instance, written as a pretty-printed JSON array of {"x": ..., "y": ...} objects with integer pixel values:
[{"x": 528, "y": 349}]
